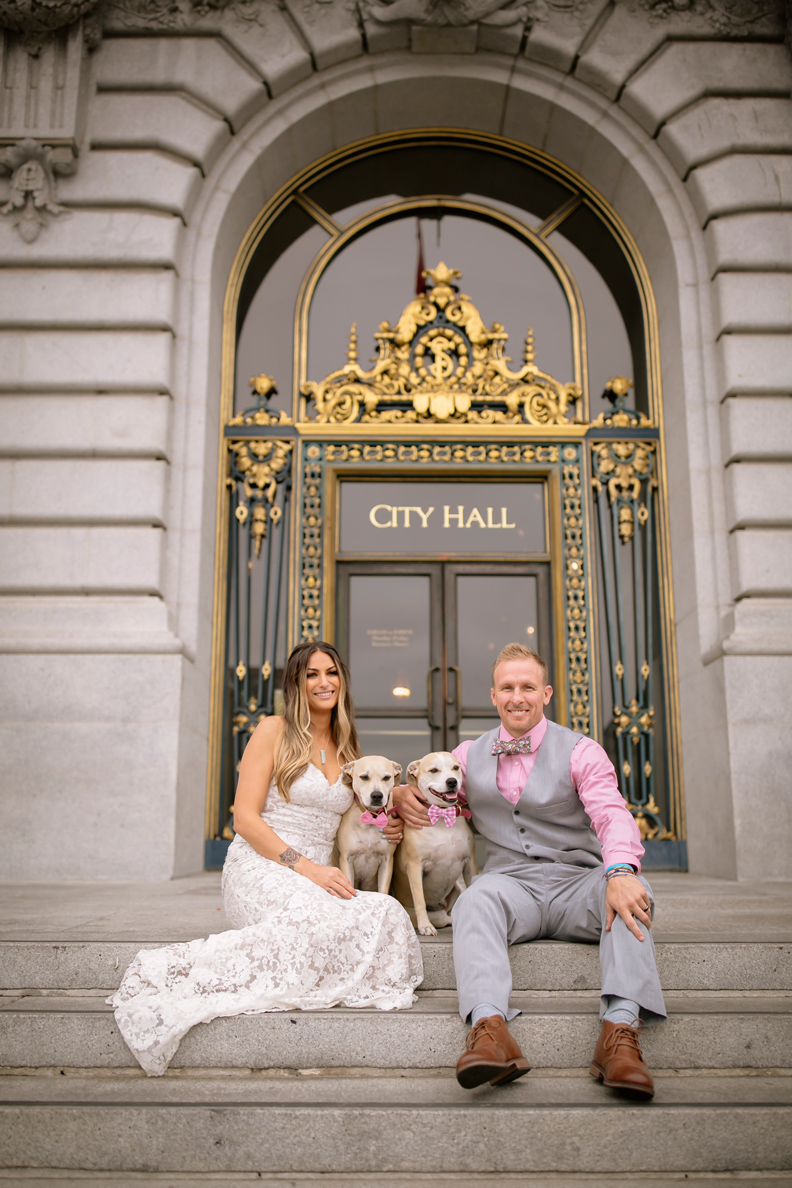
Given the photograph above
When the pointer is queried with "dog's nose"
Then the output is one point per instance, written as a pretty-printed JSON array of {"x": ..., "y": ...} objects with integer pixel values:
[
  {"x": 377, "y": 797},
  {"x": 451, "y": 783}
]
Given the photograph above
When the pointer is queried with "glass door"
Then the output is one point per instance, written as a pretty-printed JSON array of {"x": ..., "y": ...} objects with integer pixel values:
[
  {"x": 487, "y": 607},
  {"x": 420, "y": 639},
  {"x": 390, "y": 633}
]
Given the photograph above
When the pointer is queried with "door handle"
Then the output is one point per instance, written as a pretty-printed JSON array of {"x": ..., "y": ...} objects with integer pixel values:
[
  {"x": 429, "y": 696},
  {"x": 457, "y": 697}
]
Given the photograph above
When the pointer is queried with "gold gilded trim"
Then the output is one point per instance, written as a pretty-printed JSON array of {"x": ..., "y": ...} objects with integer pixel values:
[
  {"x": 554, "y": 221},
  {"x": 441, "y": 363},
  {"x": 317, "y": 213},
  {"x": 437, "y": 432},
  {"x": 576, "y": 615},
  {"x": 339, "y": 461}
]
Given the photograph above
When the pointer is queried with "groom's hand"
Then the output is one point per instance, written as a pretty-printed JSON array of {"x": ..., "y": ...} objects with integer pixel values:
[
  {"x": 409, "y": 807},
  {"x": 627, "y": 897}
]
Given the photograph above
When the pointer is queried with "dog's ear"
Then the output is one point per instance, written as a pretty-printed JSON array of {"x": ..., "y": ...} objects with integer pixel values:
[
  {"x": 412, "y": 771},
  {"x": 397, "y": 770},
  {"x": 346, "y": 772}
]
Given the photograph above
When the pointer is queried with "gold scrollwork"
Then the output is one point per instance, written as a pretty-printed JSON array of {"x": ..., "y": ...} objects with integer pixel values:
[
  {"x": 257, "y": 465},
  {"x": 264, "y": 386},
  {"x": 649, "y": 822},
  {"x": 311, "y": 585},
  {"x": 634, "y": 720},
  {"x": 576, "y": 617},
  {"x": 622, "y": 466},
  {"x": 621, "y": 417},
  {"x": 440, "y": 363},
  {"x": 439, "y": 453}
]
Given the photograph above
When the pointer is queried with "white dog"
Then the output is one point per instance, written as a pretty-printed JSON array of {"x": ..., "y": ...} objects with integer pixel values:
[
  {"x": 364, "y": 856},
  {"x": 434, "y": 865}
]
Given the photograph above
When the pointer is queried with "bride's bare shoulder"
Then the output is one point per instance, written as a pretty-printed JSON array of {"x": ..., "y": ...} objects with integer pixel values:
[
  {"x": 266, "y": 734},
  {"x": 271, "y": 726}
]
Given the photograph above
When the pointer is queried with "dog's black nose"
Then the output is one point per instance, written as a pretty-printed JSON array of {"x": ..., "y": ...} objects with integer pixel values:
[
  {"x": 451, "y": 784},
  {"x": 377, "y": 797}
]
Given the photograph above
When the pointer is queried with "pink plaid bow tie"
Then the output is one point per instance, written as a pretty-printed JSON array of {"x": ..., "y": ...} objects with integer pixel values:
[
  {"x": 449, "y": 815},
  {"x": 381, "y": 819},
  {"x": 515, "y": 746}
]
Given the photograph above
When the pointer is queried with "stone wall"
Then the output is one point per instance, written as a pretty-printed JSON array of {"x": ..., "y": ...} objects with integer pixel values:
[{"x": 170, "y": 124}]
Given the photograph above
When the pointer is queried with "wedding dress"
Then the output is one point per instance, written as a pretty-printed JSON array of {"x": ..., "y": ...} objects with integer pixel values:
[{"x": 294, "y": 946}]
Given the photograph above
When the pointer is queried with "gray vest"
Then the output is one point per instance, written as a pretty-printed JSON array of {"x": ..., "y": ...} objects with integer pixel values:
[{"x": 548, "y": 821}]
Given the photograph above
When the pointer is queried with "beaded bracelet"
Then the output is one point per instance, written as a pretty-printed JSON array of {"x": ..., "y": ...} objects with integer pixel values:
[{"x": 614, "y": 872}]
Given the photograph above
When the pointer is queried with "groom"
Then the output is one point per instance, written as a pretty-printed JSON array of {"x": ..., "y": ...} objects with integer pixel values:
[{"x": 563, "y": 861}]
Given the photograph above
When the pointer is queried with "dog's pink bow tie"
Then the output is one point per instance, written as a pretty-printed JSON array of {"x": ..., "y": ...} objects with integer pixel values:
[
  {"x": 381, "y": 819},
  {"x": 512, "y": 746},
  {"x": 449, "y": 815}
]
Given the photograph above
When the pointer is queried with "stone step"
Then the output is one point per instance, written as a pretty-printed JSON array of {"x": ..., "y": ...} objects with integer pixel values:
[
  {"x": 750, "y": 1031},
  {"x": 392, "y": 1124},
  {"x": 685, "y": 964},
  {"x": 57, "y": 1178}
]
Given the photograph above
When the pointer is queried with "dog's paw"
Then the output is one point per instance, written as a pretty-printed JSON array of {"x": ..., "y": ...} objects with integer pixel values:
[{"x": 426, "y": 930}]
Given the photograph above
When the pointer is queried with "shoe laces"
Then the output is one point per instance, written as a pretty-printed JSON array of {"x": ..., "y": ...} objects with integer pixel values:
[
  {"x": 626, "y": 1034},
  {"x": 484, "y": 1025}
]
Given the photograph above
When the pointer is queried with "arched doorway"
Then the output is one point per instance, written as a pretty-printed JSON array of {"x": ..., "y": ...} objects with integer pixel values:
[{"x": 337, "y": 452}]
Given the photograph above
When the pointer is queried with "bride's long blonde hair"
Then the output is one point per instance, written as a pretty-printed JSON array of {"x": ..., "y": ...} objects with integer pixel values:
[{"x": 295, "y": 746}]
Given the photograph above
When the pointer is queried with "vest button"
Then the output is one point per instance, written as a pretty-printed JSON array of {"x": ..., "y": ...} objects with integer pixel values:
[{"x": 522, "y": 831}]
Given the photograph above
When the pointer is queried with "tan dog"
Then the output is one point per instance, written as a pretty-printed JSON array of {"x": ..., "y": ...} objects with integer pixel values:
[
  {"x": 364, "y": 856},
  {"x": 434, "y": 865}
]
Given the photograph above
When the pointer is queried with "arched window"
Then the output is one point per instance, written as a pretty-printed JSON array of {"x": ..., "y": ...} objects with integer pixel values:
[{"x": 322, "y": 291}]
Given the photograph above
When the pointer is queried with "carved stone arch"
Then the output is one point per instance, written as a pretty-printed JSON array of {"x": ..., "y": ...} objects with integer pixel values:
[{"x": 580, "y": 129}]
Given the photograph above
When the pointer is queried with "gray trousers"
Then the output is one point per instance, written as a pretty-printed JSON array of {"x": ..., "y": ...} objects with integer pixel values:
[{"x": 527, "y": 900}]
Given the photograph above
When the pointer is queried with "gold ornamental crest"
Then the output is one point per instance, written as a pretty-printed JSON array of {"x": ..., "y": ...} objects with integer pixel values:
[{"x": 440, "y": 363}]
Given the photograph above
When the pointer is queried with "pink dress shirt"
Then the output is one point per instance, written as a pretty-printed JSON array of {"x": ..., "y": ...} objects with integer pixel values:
[{"x": 594, "y": 780}]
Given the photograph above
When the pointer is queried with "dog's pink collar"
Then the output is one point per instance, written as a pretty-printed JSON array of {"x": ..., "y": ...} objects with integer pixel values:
[
  {"x": 368, "y": 818},
  {"x": 381, "y": 820},
  {"x": 449, "y": 814}
]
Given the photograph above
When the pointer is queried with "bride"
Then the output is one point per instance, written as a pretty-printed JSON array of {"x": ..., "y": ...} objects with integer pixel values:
[{"x": 304, "y": 938}]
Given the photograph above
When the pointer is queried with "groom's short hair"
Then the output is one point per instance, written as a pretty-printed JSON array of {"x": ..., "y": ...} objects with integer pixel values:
[{"x": 518, "y": 651}]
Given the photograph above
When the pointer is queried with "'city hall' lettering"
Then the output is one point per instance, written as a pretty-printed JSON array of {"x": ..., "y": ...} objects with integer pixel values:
[{"x": 384, "y": 515}]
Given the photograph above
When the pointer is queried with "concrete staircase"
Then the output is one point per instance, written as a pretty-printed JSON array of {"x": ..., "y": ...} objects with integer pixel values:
[{"x": 347, "y": 1097}]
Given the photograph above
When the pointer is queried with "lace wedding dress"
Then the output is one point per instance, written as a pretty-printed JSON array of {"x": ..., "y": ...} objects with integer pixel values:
[{"x": 294, "y": 946}]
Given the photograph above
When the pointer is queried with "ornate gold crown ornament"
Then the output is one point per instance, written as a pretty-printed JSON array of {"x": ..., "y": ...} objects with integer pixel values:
[{"x": 440, "y": 363}]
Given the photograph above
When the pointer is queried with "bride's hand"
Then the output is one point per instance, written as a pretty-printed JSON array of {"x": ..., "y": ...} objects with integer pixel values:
[
  {"x": 394, "y": 830},
  {"x": 329, "y": 877}
]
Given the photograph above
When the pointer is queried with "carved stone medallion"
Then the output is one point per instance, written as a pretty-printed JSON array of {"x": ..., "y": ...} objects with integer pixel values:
[
  {"x": 33, "y": 186},
  {"x": 39, "y": 17}
]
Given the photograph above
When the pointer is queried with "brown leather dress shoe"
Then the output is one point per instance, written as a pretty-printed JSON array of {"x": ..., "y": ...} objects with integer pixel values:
[
  {"x": 491, "y": 1054},
  {"x": 618, "y": 1060}
]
